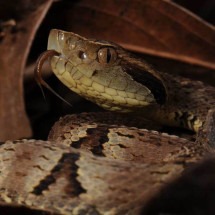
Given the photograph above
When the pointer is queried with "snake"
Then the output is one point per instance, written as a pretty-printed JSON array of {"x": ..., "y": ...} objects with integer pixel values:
[{"x": 116, "y": 161}]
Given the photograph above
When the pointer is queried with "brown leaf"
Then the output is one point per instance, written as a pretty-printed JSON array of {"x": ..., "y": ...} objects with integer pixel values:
[
  {"x": 159, "y": 27},
  {"x": 22, "y": 19}
]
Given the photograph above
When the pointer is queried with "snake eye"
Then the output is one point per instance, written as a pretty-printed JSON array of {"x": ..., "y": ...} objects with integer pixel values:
[{"x": 107, "y": 55}]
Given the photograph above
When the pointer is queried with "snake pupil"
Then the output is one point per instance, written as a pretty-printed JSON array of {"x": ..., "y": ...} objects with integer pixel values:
[{"x": 108, "y": 56}]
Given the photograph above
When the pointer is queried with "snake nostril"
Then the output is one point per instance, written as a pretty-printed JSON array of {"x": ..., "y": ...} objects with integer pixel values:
[
  {"x": 82, "y": 55},
  {"x": 60, "y": 35}
]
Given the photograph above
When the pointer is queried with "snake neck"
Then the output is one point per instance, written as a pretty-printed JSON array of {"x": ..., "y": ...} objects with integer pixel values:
[
  {"x": 187, "y": 105},
  {"x": 185, "y": 102}
]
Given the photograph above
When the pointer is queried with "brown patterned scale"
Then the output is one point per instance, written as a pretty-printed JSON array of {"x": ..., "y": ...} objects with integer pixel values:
[{"x": 54, "y": 177}]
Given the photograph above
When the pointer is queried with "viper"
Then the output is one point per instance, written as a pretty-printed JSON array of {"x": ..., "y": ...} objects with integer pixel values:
[
  {"x": 92, "y": 163},
  {"x": 113, "y": 78}
]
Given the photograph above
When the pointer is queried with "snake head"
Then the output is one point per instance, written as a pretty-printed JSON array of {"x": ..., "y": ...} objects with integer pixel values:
[{"x": 104, "y": 73}]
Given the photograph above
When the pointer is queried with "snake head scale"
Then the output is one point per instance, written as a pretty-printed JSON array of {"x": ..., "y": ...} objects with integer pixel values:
[{"x": 104, "y": 72}]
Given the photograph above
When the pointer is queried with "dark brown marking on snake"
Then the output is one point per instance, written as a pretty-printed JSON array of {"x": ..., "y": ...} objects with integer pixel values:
[
  {"x": 97, "y": 137},
  {"x": 74, "y": 187},
  {"x": 10, "y": 149},
  {"x": 15, "y": 142},
  {"x": 93, "y": 141},
  {"x": 141, "y": 134},
  {"x": 67, "y": 167},
  {"x": 122, "y": 146},
  {"x": 44, "y": 157},
  {"x": 125, "y": 135},
  {"x": 210, "y": 125},
  {"x": 44, "y": 184},
  {"x": 77, "y": 144},
  {"x": 95, "y": 72},
  {"x": 206, "y": 134},
  {"x": 182, "y": 118},
  {"x": 142, "y": 76}
]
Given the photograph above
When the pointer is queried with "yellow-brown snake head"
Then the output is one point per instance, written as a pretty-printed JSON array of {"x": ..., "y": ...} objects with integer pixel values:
[{"x": 104, "y": 73}]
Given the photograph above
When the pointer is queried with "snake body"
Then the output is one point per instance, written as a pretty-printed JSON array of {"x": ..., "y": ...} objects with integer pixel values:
[
  {"x": 91, "y": 166},
  {"x": 93, "y": 163}
]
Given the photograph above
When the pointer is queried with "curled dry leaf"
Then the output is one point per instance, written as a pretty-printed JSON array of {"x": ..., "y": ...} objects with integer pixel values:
[
  {"x": 17, "y": 33},
  {"x": 159, "y": 27}
]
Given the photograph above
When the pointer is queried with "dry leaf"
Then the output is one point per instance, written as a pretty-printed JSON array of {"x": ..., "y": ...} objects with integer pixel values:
[
  {"x": 159, "y": 27},
  {"x": 17, "y": 32}
]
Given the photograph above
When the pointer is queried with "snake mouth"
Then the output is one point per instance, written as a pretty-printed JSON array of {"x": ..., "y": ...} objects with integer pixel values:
[{"x": 38, "y": 71}]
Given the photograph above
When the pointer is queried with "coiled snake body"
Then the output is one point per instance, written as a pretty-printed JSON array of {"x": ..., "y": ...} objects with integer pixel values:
[{"x": 116, "y": 169}]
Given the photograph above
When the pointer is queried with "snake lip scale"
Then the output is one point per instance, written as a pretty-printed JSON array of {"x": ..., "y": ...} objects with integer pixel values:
[{"x": 113, "y": 162}]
